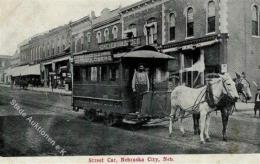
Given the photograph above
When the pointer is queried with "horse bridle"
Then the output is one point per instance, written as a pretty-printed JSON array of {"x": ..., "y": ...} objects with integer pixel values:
[{"x": 222, "y": 95}]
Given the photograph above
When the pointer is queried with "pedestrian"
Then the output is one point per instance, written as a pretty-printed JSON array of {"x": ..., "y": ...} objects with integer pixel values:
[
  {"x": 257, "y": 102},
  {"x": 140, "y": 85}
]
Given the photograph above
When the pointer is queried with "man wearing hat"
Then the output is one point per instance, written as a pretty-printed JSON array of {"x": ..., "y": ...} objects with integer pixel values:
[
  {"x": 257, "y": 102},
  {"x": 140, "y": 85}
]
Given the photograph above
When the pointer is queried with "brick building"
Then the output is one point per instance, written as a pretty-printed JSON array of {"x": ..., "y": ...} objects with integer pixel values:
[
  {"x": 226, "y": 32},
  {"x": 45, "y": 58}
]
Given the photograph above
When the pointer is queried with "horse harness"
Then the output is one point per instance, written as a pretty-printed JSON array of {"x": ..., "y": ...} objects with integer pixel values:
[{"x": 224, "y": 100}]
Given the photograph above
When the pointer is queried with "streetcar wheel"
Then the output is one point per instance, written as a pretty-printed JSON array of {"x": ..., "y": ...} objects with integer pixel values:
[{"x": 90, "y": 115}]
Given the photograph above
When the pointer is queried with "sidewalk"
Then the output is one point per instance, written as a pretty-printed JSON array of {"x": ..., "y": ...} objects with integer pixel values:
[{"x": 42, "y": 89}]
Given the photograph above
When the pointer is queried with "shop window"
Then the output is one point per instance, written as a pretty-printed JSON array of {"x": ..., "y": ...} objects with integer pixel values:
[
  {"x": 172, "y": 26},
  {"x": 98, "y": 37},
  {"x": 211, "y": 17},
  {"x": 115, "y": 32},
  {"x": 106, "y": 35},
  {"x": 113, "y": 73},
  {"x": 255, "y": 18},
  {"x": 94, "y": 74},
  {"x": 190, "y": 22}
]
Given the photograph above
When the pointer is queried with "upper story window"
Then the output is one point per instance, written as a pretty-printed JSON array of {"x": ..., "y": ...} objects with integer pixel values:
[
  {"x": 255, "y": 18},
  {"x": 131, "y": 31},
  {"x": 98, "y": 37},
  {"x": 115, "y": 32},
  {"x": 78, "y": 45},
  {"x": 150, "y": 31},
  {"x": 82, "y": 43},
  {"x": 172, "y": 26},
  {"x": 211, "y": 17},
  {"x": 106, "y": 35},
  {"x": 190, "y": 22},
  {"x": 88, "y": 37}
]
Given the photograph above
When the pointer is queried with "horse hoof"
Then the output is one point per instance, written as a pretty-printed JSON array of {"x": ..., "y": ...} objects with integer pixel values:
[
  {"x": 170, "y": 135},
  {"x": 224, "y": 139},
  {"x": 207, "y": 139},
  {"x": 202, "y": 142}
]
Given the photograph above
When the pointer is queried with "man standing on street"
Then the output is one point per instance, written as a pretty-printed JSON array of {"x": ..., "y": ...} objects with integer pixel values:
[{"x": 140, "y": 85}]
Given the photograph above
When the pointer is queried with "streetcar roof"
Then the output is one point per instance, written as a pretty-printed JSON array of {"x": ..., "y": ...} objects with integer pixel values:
[{"x": 143, "y": 54}]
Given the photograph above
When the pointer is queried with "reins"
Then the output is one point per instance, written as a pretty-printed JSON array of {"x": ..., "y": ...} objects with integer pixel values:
[{"x": 198, "y": 101}]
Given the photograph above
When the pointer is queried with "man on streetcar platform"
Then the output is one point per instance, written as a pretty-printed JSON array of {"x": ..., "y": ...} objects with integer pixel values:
[{"x": 140, "y": 85}]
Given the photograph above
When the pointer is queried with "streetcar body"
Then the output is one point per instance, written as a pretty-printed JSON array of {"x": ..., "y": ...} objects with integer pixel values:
[{"x": 102, "y": 85}]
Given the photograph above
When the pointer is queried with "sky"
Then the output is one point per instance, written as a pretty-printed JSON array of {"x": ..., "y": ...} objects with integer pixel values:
[{"x": 21, "y": 19}]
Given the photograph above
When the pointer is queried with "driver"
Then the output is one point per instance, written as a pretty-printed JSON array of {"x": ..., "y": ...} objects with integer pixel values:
[{"x": 140, "y": 85}]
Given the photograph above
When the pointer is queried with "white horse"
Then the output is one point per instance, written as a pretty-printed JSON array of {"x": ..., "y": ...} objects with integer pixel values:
[{"x": 185, "y": 99}]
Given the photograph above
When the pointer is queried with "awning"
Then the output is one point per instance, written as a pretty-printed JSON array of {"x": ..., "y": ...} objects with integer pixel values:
[
  {"x": 25, "y": 70},
  {"x": 143, "y": 54}
]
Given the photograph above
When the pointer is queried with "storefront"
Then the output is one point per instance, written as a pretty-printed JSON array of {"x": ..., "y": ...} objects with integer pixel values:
[
  {"x": 57, "y": 74},
  {"x": 196, "y": 58},
  {"x": 27, "y": 75}
]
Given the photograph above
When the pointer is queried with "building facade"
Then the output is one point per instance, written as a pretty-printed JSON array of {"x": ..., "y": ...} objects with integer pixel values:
[{"x": 4, "y": 64}]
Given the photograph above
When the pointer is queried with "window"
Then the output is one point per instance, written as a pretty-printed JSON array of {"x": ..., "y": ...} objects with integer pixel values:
[
  {"x": 103, "y": 73},
  {"x": 172, "y": 26},
  {"x": 88, "y": 37},
  {"x": 77, "y": 73},
  {"x": 211, "y": 17},
  {"x": 190, "y": 23},
  {"x": 130, "y": 32},
  {"x": 98, "y": 37},
  {"x": 78, "y": 45},
  {"x": 93, "y": 74},
  {"x": 115, "y": 32},
  {"x": 151, "y": 31},
  {"x": 106, "y": 35},
  {"x": 82, "y": 44},
  {"x": 255, "y": 18},
  {"x": 113, "y": 73}
]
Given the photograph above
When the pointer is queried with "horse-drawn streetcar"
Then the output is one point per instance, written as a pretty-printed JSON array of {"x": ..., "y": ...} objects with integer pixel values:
[{"x": 102, "y": 85}]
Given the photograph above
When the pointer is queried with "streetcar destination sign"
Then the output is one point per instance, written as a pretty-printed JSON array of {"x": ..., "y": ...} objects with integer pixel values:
[{"x": 93, "y": 58}]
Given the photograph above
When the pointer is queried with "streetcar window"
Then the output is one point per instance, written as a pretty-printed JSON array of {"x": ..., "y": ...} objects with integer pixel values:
[
  {"x": 88, "y": 73},
  {"x": 113, "y": 73},
  {"x": 126, "y": 74},
  {"x": 77, "y": 73},
  {"x": 94, "y": 73},
  {"x": 103, "y": 73}
]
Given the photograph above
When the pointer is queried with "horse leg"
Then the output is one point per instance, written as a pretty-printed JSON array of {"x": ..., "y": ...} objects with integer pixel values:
[
  {"x": 224, "y": 116},
  {"x": 207, "y": 127},
  {"x": 172, "y": 115},
  {"x": 196, "y": 124},
  {"x": 182, "y": 112},
  {"x": 202, "y": 125}
]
